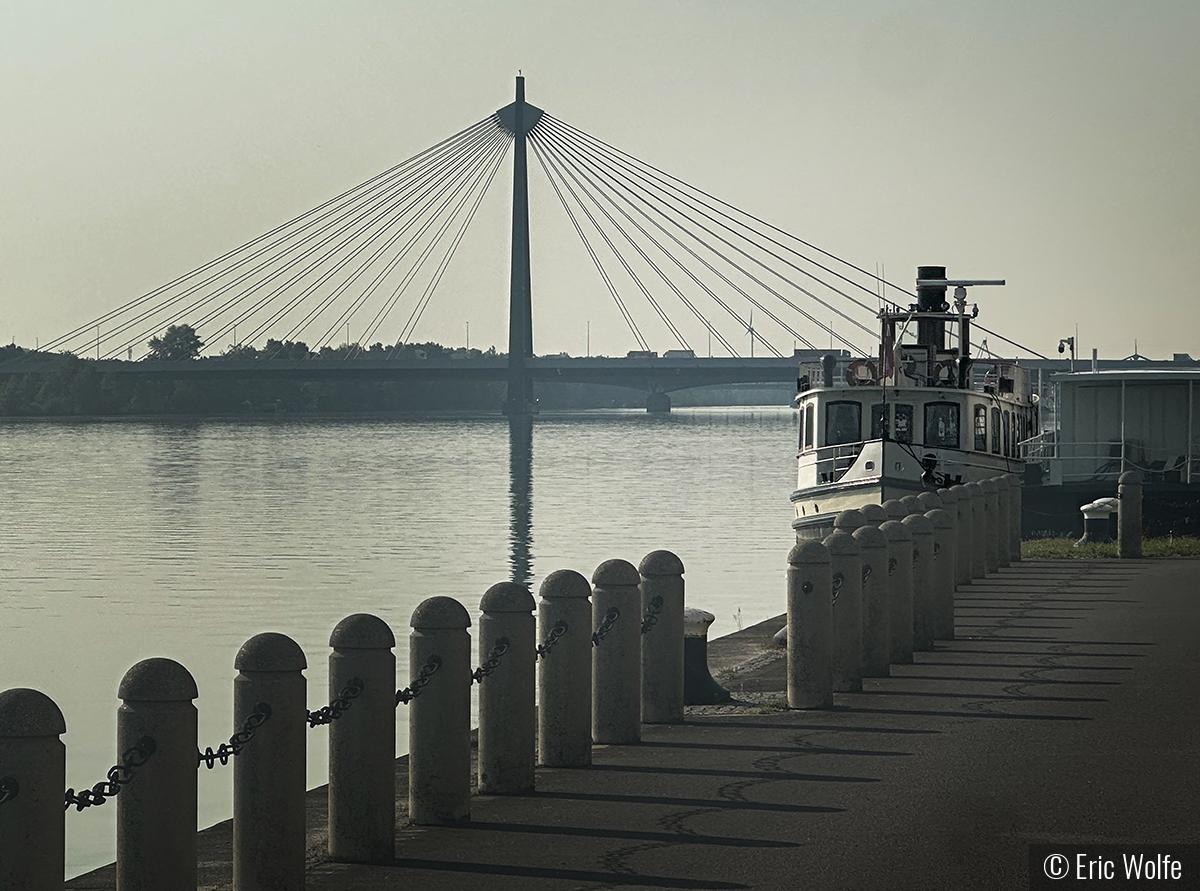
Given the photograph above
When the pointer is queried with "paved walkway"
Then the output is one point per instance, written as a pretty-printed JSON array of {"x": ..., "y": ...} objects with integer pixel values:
[{"x": 1068, "y": 710}]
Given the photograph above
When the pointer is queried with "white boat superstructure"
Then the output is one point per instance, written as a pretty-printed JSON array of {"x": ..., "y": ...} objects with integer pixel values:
[{"x": 908, "y": 419}]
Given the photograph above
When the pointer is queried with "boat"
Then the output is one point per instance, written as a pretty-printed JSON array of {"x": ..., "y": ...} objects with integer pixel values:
[{"x": 920, "y": 415}]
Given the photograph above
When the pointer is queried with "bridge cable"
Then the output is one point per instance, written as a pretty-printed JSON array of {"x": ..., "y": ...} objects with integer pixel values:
[
  {"x": 763, "y": 284},
  {"x": 367, "y": 185},
  {"x": 564, "y": 161},
  {"x": 689, "y": 202}
]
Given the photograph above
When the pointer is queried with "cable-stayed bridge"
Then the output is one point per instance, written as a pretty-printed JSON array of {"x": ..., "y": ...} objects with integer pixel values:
[{"x": 681, "y": 267}]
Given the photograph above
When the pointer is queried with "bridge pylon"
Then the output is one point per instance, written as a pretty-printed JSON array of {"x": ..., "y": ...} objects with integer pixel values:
[{"x": 519, "y": 118}]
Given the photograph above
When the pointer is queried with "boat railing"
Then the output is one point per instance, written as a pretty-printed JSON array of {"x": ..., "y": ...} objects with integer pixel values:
[
  {"x": 1070, "y": 462},
  {"x": 833, "y": 461}
]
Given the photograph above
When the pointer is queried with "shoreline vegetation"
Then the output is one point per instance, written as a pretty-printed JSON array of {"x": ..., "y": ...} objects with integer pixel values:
[{"x": 1066, "y": 548}]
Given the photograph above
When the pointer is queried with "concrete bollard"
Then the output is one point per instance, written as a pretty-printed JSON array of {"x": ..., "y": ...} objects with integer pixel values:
[
  {"x": 809, "y": 626},
  {"x": 922, "y": 568},
  {"x": 1129, "y": 514},
  {"x": 507, "y": 706},
  {"x": 662, "y": 643},
  {"x": 565, "y": 673},
  {"x": 269, "y": 773},
  {"x": 978, "y": 530},
  {"x": 699, "y": 687},
  {"x": 617, "y": 659},
  {"x": 1003, "y": 522},
  {"x": 912, "y": 504},
  {"x": 895, "y": 509},
  {"x": 991, "y": 515},
  {"x": 958, "y": 505},
  {"x": 33, "y": 774},
  {"x": 846, "y": 578},
  {"x": 945, "y": 550},
  {"x": 931, "y": 501},
  {"x": 1014, "y": 517},
  {"x": 156, "y": 810},
  {"x": 873, "y": 514},
  {"x": 876, "y": 633},
  {"x": 362, "y": 742},
  {"x": 900, "y": 591},
  {"x": 439, "y": 719}
]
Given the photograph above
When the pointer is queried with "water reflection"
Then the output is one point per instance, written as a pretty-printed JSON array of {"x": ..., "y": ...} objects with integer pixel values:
[{"x": 520, "y": 492}]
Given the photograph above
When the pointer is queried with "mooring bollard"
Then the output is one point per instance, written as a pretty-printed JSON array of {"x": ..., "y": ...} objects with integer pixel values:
[
  {"x": 1014, "y": 518},
  {"x": 1003, "y": 522},
  {"x": 945, "y": 550},
  {"x": 662, "y": 638},
  {"x": 876, "y": 628},
  {"x": 974, "y": 492},
  {"x": 616, "y": 654},
  {"x": 33, "y": 770},
  {"x": 900, "y": 591},
  {"x": 269, "y": 772},
  {"x": 439, "y": 719},
  {"x": 922, "y": 568},
  {"x": 565, "y": 673},
  {"x": 507, "y": 710},
  {"x": 991, "y": 514},
  {"x": 156, "y": 811},
  {"x": 845, "y": 564},
  {"x": 1129, "y": 514},
  {"x": 958, "y": 505},
  {"x": 362, "y": 741},
  {"x": 873, "y": 514},
  {"x": 699, "y": 686},
  {"x": 809, "y": 626}
]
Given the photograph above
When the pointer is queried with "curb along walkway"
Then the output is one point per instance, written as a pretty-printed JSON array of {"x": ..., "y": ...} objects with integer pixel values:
[{"x": 1068, "y": 710}]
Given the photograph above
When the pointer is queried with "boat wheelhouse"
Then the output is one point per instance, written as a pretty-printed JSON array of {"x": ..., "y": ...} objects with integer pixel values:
[{"x": 922, "y": 414}]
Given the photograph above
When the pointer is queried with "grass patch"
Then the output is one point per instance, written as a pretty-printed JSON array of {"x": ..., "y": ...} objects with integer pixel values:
[{"x": 1064, "y": 548}]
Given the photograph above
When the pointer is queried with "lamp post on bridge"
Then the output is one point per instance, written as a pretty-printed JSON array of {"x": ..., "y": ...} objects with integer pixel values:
[{"x": 518, "y": 119}]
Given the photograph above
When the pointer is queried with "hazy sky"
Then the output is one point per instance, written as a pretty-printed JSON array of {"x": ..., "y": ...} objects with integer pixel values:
[{"x": 1054, "y": 144}]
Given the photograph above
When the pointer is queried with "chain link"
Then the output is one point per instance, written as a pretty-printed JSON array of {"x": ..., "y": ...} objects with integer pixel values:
[
  {"x": 327, "y": 714},
  {"x": 560, "y": 628},
  {"x": 652, "y": 610},
  {"x": 610, "y": 619},
  {"x": 238, "y": 741},
  {"x": 411, "y": 692},
  {"x": 9, "y": 787},
  {"x": 492, "y": 662},
  {"x": 118, "y": 775}
]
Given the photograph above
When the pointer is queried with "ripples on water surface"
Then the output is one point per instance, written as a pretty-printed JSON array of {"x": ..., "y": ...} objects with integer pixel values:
[{"x": 128, "y": 539}]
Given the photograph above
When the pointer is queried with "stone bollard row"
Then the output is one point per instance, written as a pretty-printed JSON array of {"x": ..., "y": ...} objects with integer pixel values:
[
  {"x": 507, "y": 708},
  {"x": 662, "y": 638},
  {"x": 617, "y": 657},
  {"x": 845, "y": 563},
  {"x": 809, "y": 626},
  {"x": 900, "y": 591}
]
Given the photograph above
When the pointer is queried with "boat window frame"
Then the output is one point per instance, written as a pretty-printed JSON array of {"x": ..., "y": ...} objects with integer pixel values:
[
  {"x": 807, "y": 423},
  {"x": 829, "y": 426},
  {"x": 1007, "y": 434},
  {"x": 957, "y": 413},
  {"x": 995, "y": 425},
  {"x": 980, "y": 430},
  {"x": 883, "y": 429},
  {"x": 910, "y": 409}
]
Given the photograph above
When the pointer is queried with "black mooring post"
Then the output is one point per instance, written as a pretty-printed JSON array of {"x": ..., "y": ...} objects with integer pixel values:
[{"x": 520, "y": 121}]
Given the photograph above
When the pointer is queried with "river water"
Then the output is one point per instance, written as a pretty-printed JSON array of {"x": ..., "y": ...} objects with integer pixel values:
[{"x": 121, "y": 540}]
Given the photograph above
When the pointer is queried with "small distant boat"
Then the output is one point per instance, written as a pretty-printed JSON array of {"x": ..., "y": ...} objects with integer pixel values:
[{"x": 920, "y": 415}]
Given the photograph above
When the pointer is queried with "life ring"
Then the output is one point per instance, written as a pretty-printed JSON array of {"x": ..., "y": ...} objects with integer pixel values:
[
  {"x": 944, "y": 373},
  {"x": 861, "y": 372}
]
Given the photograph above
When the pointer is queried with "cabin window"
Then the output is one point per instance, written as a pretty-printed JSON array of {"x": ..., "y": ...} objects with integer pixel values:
[
  {"x": 941, "y": 424},
  {"x": 903, "y": 422},
  {"x": 843, "y": 422},
  {"x": 1008, "y": 433},
  {"x": 981, "y": 428},
  {"x": 808, "y": 426},
  {"x": 995, "y": 431},
  {"x": 879, "y": 421}
]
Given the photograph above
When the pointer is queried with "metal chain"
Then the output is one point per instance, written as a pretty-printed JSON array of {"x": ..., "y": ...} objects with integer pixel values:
[
  {"x": 9, "y": 787},
  {"x": 238, "y": 741},
  {"x": 327, "y": 714},
  {"x": 838, "y": 581},
  {"x": 610, "y": 619},
  {"x": 413, "y": 690},
  {"x": 560, "y": 628},
  {"x": 118, "y": 775},
  {"x": 492, "y": 662},
  {"x": 652, "y": 610}
]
